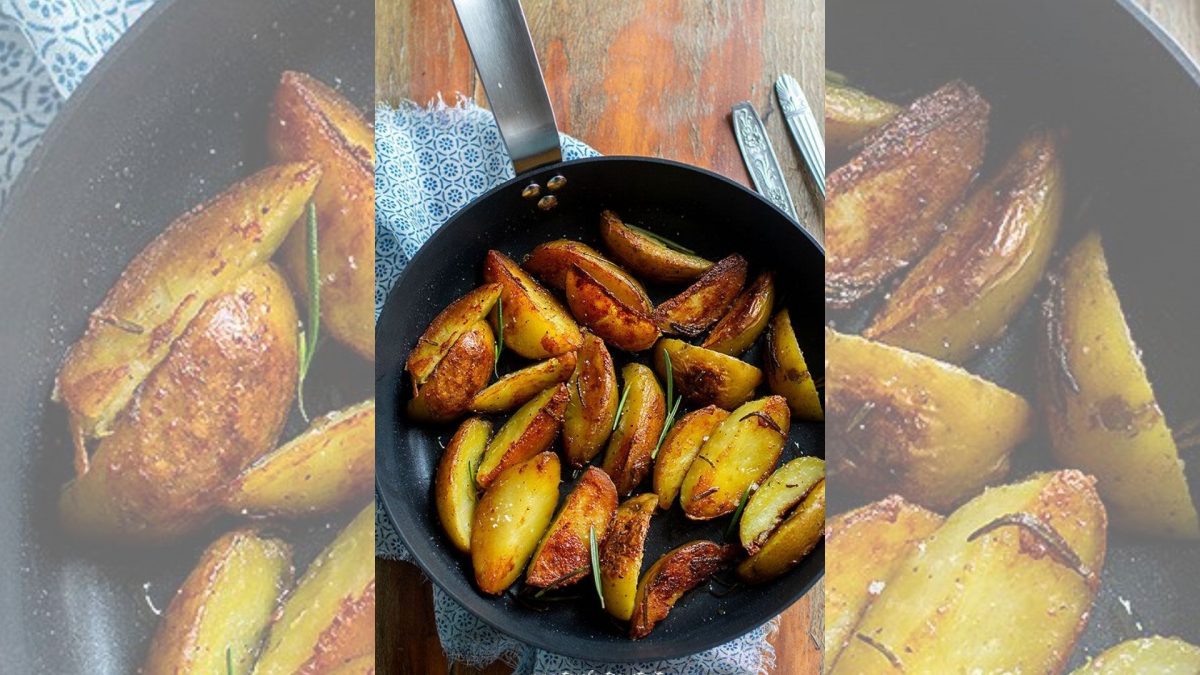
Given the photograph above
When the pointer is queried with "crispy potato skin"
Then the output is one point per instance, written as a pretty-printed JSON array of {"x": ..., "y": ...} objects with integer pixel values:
[
  {"x": 446, "y": 329},
  {"x": 964, "y": 292},
  {"x": 1165, "y": 656},
  {"x": 885, "y": 204},
  {"x": 1099, "y": 405},
  {"x": 705, "y": 377},
  {"x": 677, "y": 572},
  {"x": 536, "y": 326},
  {"x": 648, "y": 258},
  {"x": 700, "y": 305},
  {"x": 627, "y": 459},
  {"x": 528, "y": 432},
  {"x": 949, "y": 591},
  {"x": 850, "y": 114},
  {"x": 567, "y": 544},
  {"x": 198, "y": 257},
  {"x": 787, "y": 371},
  {"x": 463, "y": 372},
  {"x": 454, "y": 485},
  {"x": 213, "y": 406},
  {"x": 783, "y": 490},
  {"x": 510, "y": 520},
  {"x": 680, "y": 448},
  {"x": 598, "y": 308},
  {"x": 519, "y": 387},
  {"x": 310, "y": 121},
  {"x": 224, "y": 604},
  {"x": 551, "y": 262},
  {"x": 591, "y": 404},
  {"x": 790, "y": 542},
  {"x": 904, "y": 423},
  {"x": 621, "y": 554},
  {"x": 746, "y": 318}
]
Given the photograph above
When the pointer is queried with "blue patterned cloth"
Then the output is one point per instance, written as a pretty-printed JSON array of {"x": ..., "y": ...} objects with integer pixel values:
[{"x": 432, "y": 162}]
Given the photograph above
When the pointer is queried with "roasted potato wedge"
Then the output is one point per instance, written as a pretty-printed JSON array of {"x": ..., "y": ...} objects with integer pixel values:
[
  {"x": 885, "y": 205},
  {"x": 536, "y": 326},
  {"x": 779, "y": 494},
  {"x": 795, "y": 538},
  {"x": 680, "y": 448},
  {"x": 528, "y": 432},
  {"x": 591, "y": 403},
  {"x": 1155, "y": 655},
  {"x": 742, "y": 451},
  {"x": 677, "y": 572},
  {"x": 551, "y": 262},
  {"x": 328, "y": 467},
  {"x": 700, "y": 305},
  {"x": 596, "y": 307},
  {"x": 648, "y": 256},
  {"x": 329, "y": 618},
  {"x": 705, "y": 377},
  {"x": 516, "y": 388},
  {"x": 964, "y": 292},
  {"x": 1100, "y": 407},
  {"x": 198, "y": 257},
  {"x": 213, "y": 406},
  {"x": 363, "y": 665},
  {"x": 1031, "y": 553},
  {"x": 850, "y": 114},
  {"x": 454, "y": 487},
  {"x": 787, "y": 372},
  {"x": 459, "y": 317},
  {"x": 621, "y": 554},
  {"x": 461, "y": 374},
  {"x": 746, "y": 318},
  {"x": 564, "y": 554},
  {"x": 627, "y": 459},
  {"x": 510, "y": 520},
  {"x": 904, "y": 423},
  {"x": 310, "y": 121},
  {"x": 224, "y": 605}
]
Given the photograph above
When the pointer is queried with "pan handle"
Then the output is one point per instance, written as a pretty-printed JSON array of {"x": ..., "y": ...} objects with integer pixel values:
[{"x": 504, "y": 56}]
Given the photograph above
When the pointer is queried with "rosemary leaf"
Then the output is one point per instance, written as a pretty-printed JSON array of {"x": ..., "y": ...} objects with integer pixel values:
[
  {"x": 595, "y": 563},
  {"x": 500, "y": 338},
  {"x": 229, "y": 660},
  {"x": 661, "y": 239},
  {"x": 670, "y": 376},
  {"x": 666, "y": 427},
  {"x": 312, "y": 328},
  {"x": 621, "y": 406},
  {"x": 737, "y": 514}
]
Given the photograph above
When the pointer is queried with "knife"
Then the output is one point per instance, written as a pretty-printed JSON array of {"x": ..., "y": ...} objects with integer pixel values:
[
  {"x": 803, "y": 125},
  {"x": 760, "y": 158}
]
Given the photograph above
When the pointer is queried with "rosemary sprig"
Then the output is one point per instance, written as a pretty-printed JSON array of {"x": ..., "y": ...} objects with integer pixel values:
[
  {"x": 737, "y": 514},
  {"x": 674, "y": 406},
  {"x": 229, "y": 660},
  {"x": 661, "y": 239},
  {"x": 307, "y": 338},
  {"x": 560, "y": 581},
  {"x": 666, "y": 427},
  {"x": 595, "y": 563},
  {"x": 621, "y": 406},
  {"x": 670, "y": 376},
  {"x": 500, "y": 337}
]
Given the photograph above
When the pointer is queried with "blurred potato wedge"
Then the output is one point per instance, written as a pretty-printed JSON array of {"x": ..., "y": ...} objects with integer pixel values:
[
  {"x": 596, "y": 307},
  {"x": 1150, "y": 656},
  {"x": 779, "y": 494},
  {"x": 700, "y": 305},
  {"x": 850, "y": 114},
  {"x": 592, "y": 398},
  {"x": 510, "y": 520},
  {"x": 705, "y": 377},
  {"x": 639, "y": 424},
  {"x": 795, "y": 538},
  {"x": 679, "y": 450},
  {"x": 621, "y": 554},
  {"x": 516, "y": 388},
  {"x": 536, "y": 326},
  {"x": 462, "y": 373},
  {"x": 787, "y": 371},
  {"x": 363, "y": 665},
  {"x": 454, "y": 490},
  {"x": 449, "y": 325},
  {"x": 528, "y": 432},
  {"x": 677, "y": 572},
  {"x": 647, "y": 256},
  {"x": 551, "y": 262},
  {"x": 564, "y": 555},
  {"x": 746, "y": 319}
]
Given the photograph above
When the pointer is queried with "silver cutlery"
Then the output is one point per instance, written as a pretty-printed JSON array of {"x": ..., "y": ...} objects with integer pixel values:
[{"x": 803, "y": 124}]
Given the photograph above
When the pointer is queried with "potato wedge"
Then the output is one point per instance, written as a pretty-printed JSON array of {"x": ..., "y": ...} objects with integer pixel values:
[
  {"x": 1031, "y": 553},
  {"x": 746, "y": 318},
  {"x": 596, "y": 307},
  {"x": 198, "y": 257},
  {"x": 850, "y": 114},
  {"x": 963, "y": 293},
  {"x": 742, "y": 451},
  {"x": 884, "y": 207},
  {"x": 677, "y": 572},
  {"x": 224, "y": 605},
  {"x": 1157, "y": 655},
  {"x": 551, "y": 262},
  {"x": 454, "y": 487},
  {"x": 564, "y": 554},
  {"x": 329, "y": 618},
  {"x": 779, "y": 494},
  {"x": 700, "y": 305},
  {"x": 680, "y": 448},
  {"x": 528, "y": 432},
  {"x": 516, "y": 388},
  {"x": 705, "y": 377},
  {"x": 904, "y": 423},
  {"x": 459, "y": 317},
  {"x": 1099, "y": 404},
  {"x": 647, "y": 256},
  {"x": 363, "y": 665},
  {"x": 510, "y": 520},
  {"x": 795, "y": 538},
  {"x": 213, "y": 406},
  {"x": 591, "y": 403},
  {"x": 627, "y": 459},
  {"x": 310, "y": 121},
  {"x": 463, "y": 372},
  {"x": 536, "y": 326},
  {"x": 787, "y": 371},
  {"x": 621, "y": 554}
]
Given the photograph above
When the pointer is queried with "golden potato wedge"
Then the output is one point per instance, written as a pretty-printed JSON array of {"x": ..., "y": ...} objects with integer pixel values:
[
  {"x": 850, "y": 114},
  {"x": 646, "y": 255},
  {"x": 904, "y": 423},
  {"x": 680, "y": 448},
  {"x": 863, "y": 549},
  {"x": 779, "y": 494},
  {"x": 591, "y": 403},
  {"x": 1157, "y": 655},
  {"x": 363, "y": 665},
  {"x": 564, "y": 554},
  {"x": 964, "y": 292},
  {"x": 1031, "y": 553},
  {"x": 677, "y": 572},
  {"x": 795, "y": 538},
  {"x": 517, "y": 387},
  {"x": 224, "y": 605},
  {"x": 454, "y": 487},
  {"x": 510, "y": 520},
  {"x": 329, "y": 618},
  {"x": 198, "y": 257},
  {"x": 787, "y": 371},
  {"x": 463, "y": 372},
  {"x": 596, "y": 307},
  {"x": 884, "y": 206},
  {"x": 746, "y": 318},
  {"x": 213, "y": 406},
  {"x": 700, "y": 305},
  {"x": 640, "y": 423},
  {"x": 705, "y": 377},
  {"x": 528, "y": 432},
  {"x": 551, "y": 262},
  {"x": 459, "y": 317},
  {"x": 1099, "y": 404},
  {"x": 536, "y": 326},
  {"x": 310, "y": 121},
  {"x": 621, "y": 554},
  {"x": 742, "y": 451}
]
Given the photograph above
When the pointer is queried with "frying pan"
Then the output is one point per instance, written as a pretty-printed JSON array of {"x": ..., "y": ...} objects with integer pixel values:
[
  {"x": 1130, "y": 102},
  {"x": 704, "y": 211},
  {"x": 174, "y": 113}
]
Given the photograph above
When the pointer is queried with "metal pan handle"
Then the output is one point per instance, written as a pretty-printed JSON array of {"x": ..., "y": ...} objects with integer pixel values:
[{"x": 504, "y": 56}]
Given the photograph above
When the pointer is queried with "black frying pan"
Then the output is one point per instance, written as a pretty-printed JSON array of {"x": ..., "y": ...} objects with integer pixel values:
[
  {"x": 173, "y": 114},
  {"x": 1130, "y": 101},
  {"x": 703, "y": 210}
]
